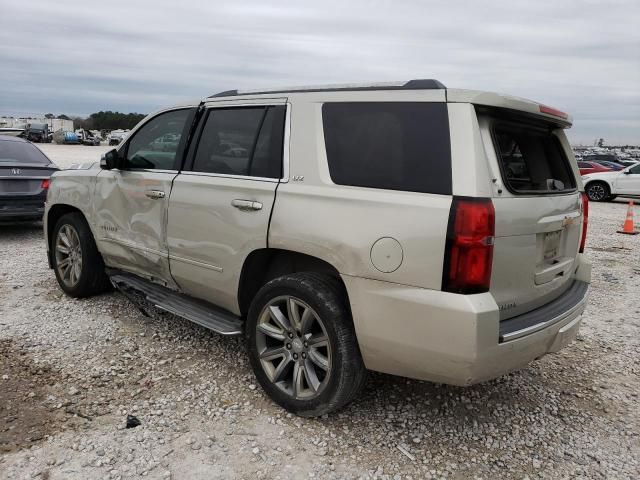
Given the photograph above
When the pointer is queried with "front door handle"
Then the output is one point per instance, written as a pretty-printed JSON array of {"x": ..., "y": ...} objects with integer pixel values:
[
  {"x": 155, "y": 194},
  {"x": 246, "y": 204}
]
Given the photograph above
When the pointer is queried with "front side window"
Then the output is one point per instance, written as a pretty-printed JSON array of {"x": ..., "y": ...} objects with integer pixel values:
[
  {"x": 155, "y": 145},
  {"x": 389, "y": 145},
  {"x": 242, "y": 141},
  {"x": 532, "y": 159},
  {"x": 635, "y": 169}
]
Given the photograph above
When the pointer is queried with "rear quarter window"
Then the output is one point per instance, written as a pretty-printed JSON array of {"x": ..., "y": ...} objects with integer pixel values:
[
  {"x": 531, "y": 159},
  {"x": 389, "y": 145}
]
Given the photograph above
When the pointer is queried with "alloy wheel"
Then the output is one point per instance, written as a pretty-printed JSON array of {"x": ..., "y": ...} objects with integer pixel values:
[
  {"x": 597, "y": 192},
  {"x": 293, "y": 347},
  {"x": 68, "y": 254}
]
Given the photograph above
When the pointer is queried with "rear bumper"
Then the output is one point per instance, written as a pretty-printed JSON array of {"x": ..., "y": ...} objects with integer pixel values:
[
  {"x": 21, "y": 207},
  {"x": 449, "y": 338}
]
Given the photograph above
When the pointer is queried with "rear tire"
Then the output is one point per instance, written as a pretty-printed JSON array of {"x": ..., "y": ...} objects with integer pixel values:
[
  {"x": 75, "y": 258},
  {"x": 598, "y": 191},
  {"x": 302, "y": 344}
]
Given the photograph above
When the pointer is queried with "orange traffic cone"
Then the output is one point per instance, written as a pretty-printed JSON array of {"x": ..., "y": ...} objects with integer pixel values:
[{"x": 628, "y": 228}]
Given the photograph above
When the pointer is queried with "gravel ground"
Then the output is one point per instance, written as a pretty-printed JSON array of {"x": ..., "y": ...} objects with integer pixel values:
[{"x": 72, "y": 370}]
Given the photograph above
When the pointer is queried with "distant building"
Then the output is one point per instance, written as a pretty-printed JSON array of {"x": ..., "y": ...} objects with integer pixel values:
[{"x": 21, "y": 122}]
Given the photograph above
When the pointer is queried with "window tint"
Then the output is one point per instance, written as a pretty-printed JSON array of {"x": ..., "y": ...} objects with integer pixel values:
[
  {"x": 532, "y": 159},
  {"x": 242, "y": 141},
  {"x": 635, "y": 169},
  {"x": 156, "y": 144},
  {"x": 21, "y": 152},
  {"x": 583, "y": 165},
  {"x": 395, "y": 146},
  {"x": 267, "y": 157}
]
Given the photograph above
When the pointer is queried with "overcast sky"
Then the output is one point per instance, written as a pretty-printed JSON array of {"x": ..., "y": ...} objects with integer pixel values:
[{"x": 80, "y": 57}]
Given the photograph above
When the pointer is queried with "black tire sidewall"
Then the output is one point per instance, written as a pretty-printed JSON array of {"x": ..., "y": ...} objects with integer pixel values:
[
  {"x": 336, "y": 319},
  {"x": 87, "y": 283},
  {"x": 606, "y": 190}
]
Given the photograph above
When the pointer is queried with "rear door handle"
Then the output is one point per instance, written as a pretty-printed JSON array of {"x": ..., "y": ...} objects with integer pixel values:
[
  {"x": 155, "y": 194},
  {"x": 246, "y": 204}
]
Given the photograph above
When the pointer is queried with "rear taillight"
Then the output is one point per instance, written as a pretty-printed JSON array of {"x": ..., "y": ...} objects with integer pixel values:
[
  {"x": 553, "y": 111},
  {"x": 469, "y": 248},
  {"x": 45, "y": 183},
  {"x": 585, "y": 221}
]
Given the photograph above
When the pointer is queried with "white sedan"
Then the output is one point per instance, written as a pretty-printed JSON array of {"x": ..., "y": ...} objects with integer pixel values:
[{"x": 607, "y": 185}]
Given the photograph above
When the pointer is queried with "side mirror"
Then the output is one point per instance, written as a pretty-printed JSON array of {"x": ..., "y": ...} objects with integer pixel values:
[
  {"x": 627, "y": 172},
  {"x": 109, "y": 160}
]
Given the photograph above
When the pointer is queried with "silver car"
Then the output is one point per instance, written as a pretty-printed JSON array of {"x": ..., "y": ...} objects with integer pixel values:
[{"x": 404, "y": 228}]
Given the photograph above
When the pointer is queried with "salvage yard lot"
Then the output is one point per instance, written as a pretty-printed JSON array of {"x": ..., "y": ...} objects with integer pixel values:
[{"x": 72, "y": 370}]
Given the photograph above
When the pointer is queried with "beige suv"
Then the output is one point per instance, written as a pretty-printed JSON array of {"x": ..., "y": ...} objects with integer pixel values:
[{"x": 403, "y": 228}]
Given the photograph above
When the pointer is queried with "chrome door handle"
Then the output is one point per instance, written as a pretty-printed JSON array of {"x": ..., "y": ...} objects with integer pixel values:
[
  {"x": 246, "y": 204},
  {"x": 155, "y": 194}
]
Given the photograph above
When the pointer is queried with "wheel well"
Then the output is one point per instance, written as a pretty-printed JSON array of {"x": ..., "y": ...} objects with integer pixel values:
[
  {"x": 54, "y": 214},
  {"x": 264, "y": 265},
  {"x": 597, "y": 180}
]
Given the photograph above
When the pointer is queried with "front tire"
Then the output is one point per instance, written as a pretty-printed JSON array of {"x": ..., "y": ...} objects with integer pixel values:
[
  {"x": 76, "y": 261},
  {"x": 598, "y": 191},
  {"x": 302, "y": 344}
]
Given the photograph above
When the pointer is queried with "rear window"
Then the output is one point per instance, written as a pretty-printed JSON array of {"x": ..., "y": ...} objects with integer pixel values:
[
  {"x": 21, "y": 152},
  {"x": 532, "y": 159},
  {"x": 390, "y": 145}
]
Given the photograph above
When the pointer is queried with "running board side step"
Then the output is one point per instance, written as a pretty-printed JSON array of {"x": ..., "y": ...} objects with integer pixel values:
[{"x": 197, "y": 311}]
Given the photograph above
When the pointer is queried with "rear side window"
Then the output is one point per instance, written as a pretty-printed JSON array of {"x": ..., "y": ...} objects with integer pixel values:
[
  {"x": 242, "y": 141},
  {"x": 532, "y": 159},
  {"x": 394, "y": 145}
]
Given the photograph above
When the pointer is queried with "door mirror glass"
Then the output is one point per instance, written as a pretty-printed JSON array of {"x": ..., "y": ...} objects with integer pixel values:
[{"x": 109, "y": 160}]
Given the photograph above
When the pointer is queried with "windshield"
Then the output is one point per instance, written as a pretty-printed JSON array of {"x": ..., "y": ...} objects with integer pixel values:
[{"x": 21, "y": 152}]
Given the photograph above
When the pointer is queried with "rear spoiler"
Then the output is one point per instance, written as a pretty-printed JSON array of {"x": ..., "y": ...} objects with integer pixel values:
[{"x": 496, "y": 100}]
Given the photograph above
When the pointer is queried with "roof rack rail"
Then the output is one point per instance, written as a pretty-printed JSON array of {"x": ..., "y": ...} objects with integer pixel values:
[{"x": 418, "y": 84}]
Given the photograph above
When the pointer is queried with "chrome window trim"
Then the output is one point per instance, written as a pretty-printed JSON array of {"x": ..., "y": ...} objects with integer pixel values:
[
  {"x": 144, "y": 170},
  {"x": 285, "y": 144},
  {"x": 226, "y": 175}
]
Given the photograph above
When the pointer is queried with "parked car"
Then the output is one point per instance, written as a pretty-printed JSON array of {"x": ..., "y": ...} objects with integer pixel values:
[
  {"x": 166, "y": 143},
  {"x": 591, "y": 167},
  {"x": 24, "y": 179},
  {"x": 116, "y": 137},
  {"x": 601, "y": 157},
  {"x": 610, "y": 165},
  {"x": 396, "y": 241},
  {"x": 627, "y": 163},
  {"x": 608, "y": 185}
]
